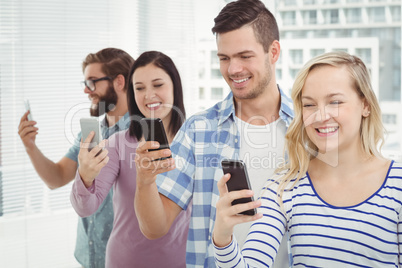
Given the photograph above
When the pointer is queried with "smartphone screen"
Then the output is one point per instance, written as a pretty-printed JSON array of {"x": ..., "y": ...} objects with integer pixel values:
[
  {"x": 88, "y": 125},
  {"x": 153, "y": 130},
  {"x": 238, "y": 181}
]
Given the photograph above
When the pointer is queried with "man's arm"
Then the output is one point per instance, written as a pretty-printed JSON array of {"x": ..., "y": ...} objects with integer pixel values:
[
  {"x": 155, "y": 212},
  {"x": 53, "y": 174}
]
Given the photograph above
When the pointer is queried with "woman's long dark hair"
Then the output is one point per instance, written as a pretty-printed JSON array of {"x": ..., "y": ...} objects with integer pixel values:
[{"x": 164, "y": 62}]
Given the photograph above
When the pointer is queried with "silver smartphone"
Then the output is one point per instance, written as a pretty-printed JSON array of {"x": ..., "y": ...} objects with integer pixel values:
[
  {"x": 28, "y": 108},
  {"x": 238, "y": 181},
  {"x": 88, "y": 125}
]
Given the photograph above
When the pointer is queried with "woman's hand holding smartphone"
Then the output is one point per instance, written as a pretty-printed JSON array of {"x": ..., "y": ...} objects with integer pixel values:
[
  {"x": 92, "y": 156},
  {"x": 152, "y": 157},
  {"x": 153, "y": 130},
  {"x": 235, "y": 204},
  {"x": 87, "y": 126},
  {"x": 239, "y": 181}
]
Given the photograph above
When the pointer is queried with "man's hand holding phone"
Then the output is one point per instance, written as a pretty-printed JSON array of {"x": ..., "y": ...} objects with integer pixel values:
[
  {"x": 229, "y": 215},
  {"x": 28, "y": 109},
  {"x": 91, "y": 161},
  {"x": 27, "y": 129}
]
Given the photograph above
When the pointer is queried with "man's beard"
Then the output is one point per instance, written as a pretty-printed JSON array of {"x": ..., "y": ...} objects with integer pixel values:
[
  {"x": 261, "y": 86},
  {"x": 105, "y": 104}
]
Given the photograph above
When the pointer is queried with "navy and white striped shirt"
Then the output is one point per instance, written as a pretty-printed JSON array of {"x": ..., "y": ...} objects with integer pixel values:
[
  {"x": 322, "y": 235},
  {"x": 199, "y": 146}
]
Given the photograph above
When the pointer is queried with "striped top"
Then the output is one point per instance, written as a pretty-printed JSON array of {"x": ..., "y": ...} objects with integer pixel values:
[{"x": 322, "y": 235}]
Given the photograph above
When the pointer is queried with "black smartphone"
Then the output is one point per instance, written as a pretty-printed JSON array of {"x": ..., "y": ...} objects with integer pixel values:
[
  {"x": 238, "y": 181},
  {"x": 153, "y": 130}
]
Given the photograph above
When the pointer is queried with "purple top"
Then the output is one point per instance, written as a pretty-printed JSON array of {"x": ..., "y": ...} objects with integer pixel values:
[{"x": 127, "y": 246}]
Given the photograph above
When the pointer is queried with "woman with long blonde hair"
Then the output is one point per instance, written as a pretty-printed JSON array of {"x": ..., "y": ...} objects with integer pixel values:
[{"x": 337, "y": 198}]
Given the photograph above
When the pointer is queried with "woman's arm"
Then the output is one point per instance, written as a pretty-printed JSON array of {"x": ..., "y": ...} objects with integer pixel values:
[
  {"x": 94, "y": 178},
  {"x": 263, "y": 240}
]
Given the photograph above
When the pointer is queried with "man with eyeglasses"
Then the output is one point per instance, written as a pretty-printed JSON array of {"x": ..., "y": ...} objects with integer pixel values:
[{"x": 106, "y": 73}]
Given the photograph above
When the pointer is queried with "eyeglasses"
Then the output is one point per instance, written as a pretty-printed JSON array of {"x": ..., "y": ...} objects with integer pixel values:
[{"x": 90, "y": 84}]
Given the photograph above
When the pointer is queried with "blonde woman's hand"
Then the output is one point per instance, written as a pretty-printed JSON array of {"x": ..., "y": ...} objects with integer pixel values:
[{"x": 227, "y": 216}]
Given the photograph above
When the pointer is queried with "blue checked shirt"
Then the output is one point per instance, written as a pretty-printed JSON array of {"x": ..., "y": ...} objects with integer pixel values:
[
  {"x": 93, "y": 232},
  {"x": 199, "y": 146}
]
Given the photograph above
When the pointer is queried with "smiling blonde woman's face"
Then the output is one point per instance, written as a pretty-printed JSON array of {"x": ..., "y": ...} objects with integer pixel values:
[{"x": 332, "y": 109}]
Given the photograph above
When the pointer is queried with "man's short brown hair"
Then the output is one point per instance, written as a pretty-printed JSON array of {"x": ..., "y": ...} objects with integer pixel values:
[
  {"x": 248, "y": 12},
  {"x": 114, "y": 62}
]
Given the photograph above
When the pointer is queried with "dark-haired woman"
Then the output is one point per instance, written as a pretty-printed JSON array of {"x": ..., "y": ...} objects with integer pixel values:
[{"x": 155, "y": 91}]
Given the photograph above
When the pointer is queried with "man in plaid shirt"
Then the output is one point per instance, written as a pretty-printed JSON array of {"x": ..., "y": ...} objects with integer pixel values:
[{"x": 249, "y": 124}]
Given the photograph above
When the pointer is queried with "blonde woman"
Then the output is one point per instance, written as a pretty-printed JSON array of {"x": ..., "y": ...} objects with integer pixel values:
[{"x": 337, "y": 198}]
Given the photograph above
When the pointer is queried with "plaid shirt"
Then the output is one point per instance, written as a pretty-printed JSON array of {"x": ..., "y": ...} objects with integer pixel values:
[{"x": 199, "y": 146}]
